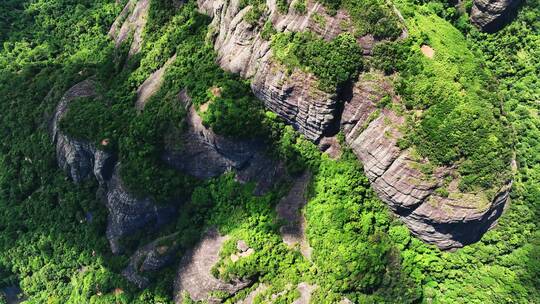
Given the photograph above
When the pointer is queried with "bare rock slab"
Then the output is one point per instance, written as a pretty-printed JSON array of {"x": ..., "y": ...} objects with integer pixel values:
[{"x": 194, "y": 275}]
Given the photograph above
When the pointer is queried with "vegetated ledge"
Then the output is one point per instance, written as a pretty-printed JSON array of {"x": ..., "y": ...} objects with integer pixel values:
[{"x": 448, "y": 221}]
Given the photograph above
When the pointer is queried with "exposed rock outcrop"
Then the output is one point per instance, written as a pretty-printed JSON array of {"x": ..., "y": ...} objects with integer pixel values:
[
  {"x": 194, "y": 276},
  {"x": 151, "y": 257},
  {"x": 129, "y": 214},
  {"x": 151, "y": 85},
  {"x": 82, "y": 160},
  {"x": 397, "y": 177},
  {"x": 296, "y": 97},
  {"x": 491, "y": 15},
  {"x": 205, "y": 154},
  {"x": 130, "y": 23},
  {"x": 371, "y": 130}
]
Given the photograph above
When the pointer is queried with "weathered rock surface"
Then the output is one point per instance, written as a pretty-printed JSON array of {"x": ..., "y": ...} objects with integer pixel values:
[
  {"x": 129, "y": 214},
  {"x": 253, "y": 294},
  {"x": 82, "y": 160},
  {"x": 151, "y": 85},
  {"x": 372, "y": 133},
  {"x": 130, "y": 23},
  {"x": 296, "y": 98},
  {"x": 491, "y": 15},
  {"x": 151, "y": 257},
  {"x": 205, "y": 154},
  {"x": 194, "y": 275},
  {"x": 305, "y": 290},
  {"x": 395, "y": 174}
]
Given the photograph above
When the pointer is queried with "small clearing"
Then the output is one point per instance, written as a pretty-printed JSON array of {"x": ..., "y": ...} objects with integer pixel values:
[{"x": 428, "y": 51}]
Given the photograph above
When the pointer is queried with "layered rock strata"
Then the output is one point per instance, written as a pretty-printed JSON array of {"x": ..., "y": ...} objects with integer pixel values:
[
  {"x": 491, "y": 15},
  {"x": 397, "y": 176},
  {"x": 241, "y": 49},
  {"x": 371, "y": 130}
]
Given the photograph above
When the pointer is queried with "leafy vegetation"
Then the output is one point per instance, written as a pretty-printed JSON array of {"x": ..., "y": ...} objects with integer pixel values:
[
  {"x": 458, "y": 115},
  {"x": 52, "y": 238},
  {"x": 334, "y": 63}
]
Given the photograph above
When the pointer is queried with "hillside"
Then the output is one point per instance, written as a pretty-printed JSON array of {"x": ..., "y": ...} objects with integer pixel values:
[{"x": 224, "y": 151}]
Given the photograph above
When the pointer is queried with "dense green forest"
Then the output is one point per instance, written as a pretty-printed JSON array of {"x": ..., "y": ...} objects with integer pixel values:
[{"x": 484, "y": 89}]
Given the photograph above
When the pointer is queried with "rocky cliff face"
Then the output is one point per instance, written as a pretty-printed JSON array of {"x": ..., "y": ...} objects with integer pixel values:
[
  {"x": 130, "y": 24},
  {"x": 241, "y": 49},
  {"x": 83, "y": 160},
  {"x": 80, "y": 159},
  {"x": 205, "y": 154},
  {"x": 372, "y": 133},
  {"x": 491, "y": 15},
  {"x": 397, "y": 176}
]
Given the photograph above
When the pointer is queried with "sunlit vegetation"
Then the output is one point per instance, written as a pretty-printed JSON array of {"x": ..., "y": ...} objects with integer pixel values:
[{"x": 478, "y": 98}]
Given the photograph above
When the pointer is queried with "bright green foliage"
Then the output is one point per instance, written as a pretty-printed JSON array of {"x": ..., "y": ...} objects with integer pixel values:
[
  {"x": 374, "y": 17},
  {"x": 334, "y": 63},
  {"x": 461, "y": 120},
  {"x": 299, "y": 6},
  {"x": 52, "y": 239}
]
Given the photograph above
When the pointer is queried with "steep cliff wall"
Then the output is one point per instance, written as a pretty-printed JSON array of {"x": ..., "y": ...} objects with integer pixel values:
[
  {"x": 130, "y": 24},
  {"x": 83, "y": 160},
  {"x": 448, "y": 221},
  {"x": 372, "y": 132},
  {"x": 241, "y": 49}
]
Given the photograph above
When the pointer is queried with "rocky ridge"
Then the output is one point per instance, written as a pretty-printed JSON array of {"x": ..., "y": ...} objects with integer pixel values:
[
  {"x": 130, "y": 24},
  {"x": 241, "y": 49},
  {"x": 397, "y": 176},
  {"x": 371, "y": 131},
  {"x": 83, "y": 160}
]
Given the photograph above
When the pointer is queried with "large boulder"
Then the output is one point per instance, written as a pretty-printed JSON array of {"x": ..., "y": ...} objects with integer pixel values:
[
  {"x": 195, "y": 279},
  {"x": 491, "y": 15}
]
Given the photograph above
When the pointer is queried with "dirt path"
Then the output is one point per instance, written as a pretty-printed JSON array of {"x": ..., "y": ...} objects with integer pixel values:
[{"x": 289, "y": 209}]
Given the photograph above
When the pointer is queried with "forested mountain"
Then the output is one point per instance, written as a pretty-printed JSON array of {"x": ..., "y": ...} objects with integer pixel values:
[{"x": 225, "y": 151}]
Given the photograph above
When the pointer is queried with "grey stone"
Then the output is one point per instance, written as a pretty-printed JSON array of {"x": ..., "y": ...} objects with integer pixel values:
[{"x": 491, "y": 15}]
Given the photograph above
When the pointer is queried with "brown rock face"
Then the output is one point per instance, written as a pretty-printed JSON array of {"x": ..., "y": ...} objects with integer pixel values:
[
  {"x": 491, "y": 15},
  {"x": 396, "y": 175}
]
